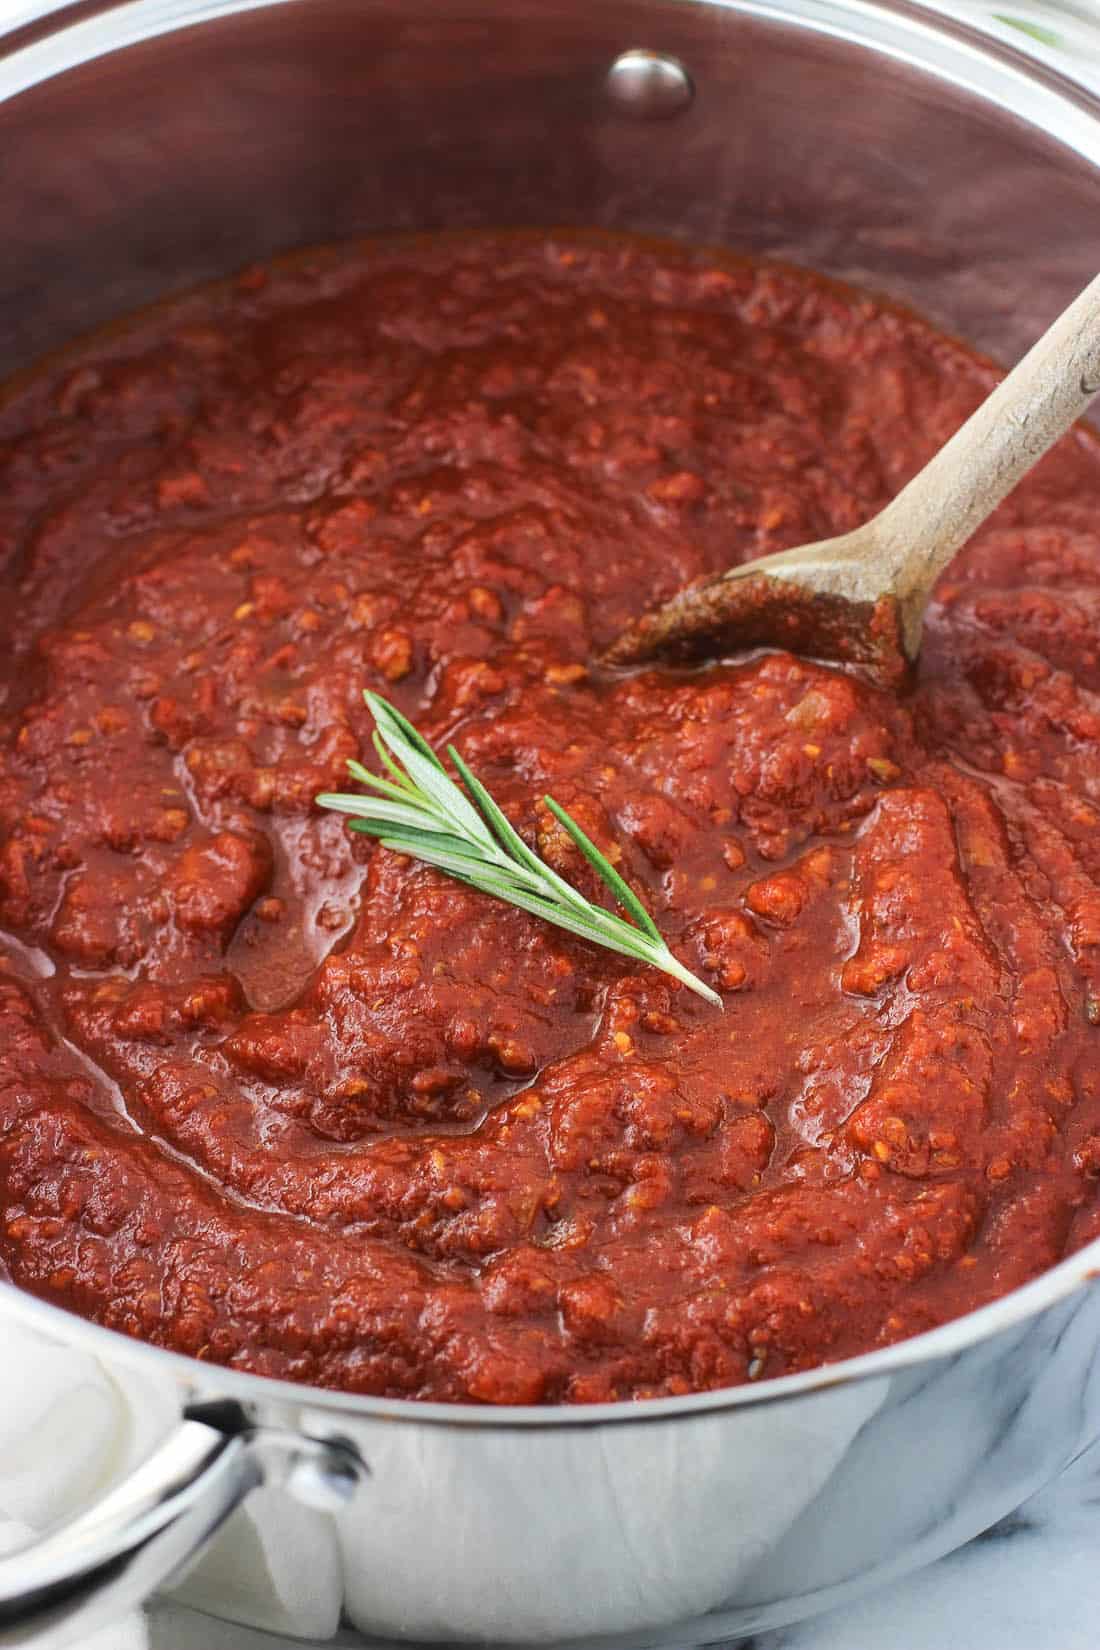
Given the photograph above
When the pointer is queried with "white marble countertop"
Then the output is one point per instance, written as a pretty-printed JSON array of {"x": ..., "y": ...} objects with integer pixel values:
[{"x": 1030, "y": 1583}]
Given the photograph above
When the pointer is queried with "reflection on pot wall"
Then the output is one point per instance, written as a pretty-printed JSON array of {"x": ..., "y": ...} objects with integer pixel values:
[
  {"x": 699, "y": 1521},
  {"x": 186, "y": 156}
]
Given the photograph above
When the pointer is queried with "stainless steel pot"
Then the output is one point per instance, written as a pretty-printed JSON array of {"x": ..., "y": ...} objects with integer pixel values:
[{"x": 146, "y": 146}]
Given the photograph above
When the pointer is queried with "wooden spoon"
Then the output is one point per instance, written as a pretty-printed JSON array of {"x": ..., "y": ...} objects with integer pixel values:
[{"x": 860, "y": 598}]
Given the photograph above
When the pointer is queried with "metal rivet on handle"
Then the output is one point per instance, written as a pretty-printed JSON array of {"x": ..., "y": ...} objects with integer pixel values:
[
  {"x": 649, "y": 85},
  {"x": 322, "y": 1473}
]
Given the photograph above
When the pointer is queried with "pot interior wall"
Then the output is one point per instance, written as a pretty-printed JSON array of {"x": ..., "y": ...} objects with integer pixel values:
[{"x": 184, "y": 156}]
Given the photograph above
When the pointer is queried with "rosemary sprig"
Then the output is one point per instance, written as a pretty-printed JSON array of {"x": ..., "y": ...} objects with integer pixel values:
[{"x": 416, "y": 808}]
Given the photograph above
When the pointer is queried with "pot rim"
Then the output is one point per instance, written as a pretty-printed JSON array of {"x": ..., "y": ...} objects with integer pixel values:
[
  {"x": 923, "y": 36},
  {"x": 947, "y": 1341}
]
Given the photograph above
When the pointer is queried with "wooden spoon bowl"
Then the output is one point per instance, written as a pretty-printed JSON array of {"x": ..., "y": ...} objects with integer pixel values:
[{"x": 860, "y": 599}]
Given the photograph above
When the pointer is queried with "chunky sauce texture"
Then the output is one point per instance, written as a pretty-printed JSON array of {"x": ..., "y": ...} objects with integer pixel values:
[{"x": 283, "y": 1100}]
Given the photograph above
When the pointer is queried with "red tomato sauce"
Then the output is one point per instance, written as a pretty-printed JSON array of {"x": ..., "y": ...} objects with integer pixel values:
[{"x": 283, "y": 1100}]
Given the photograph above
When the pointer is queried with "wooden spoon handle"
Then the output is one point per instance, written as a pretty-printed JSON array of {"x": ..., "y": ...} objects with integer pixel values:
[{"x": 1054, "y": 384}]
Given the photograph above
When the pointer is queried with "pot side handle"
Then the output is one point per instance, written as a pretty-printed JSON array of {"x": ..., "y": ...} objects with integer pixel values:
[{"x": 88, "y": 1572}]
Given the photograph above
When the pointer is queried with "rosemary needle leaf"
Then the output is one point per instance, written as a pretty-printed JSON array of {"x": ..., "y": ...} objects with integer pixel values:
[
  {"x": 395, "y": 814},
  {"x": 603, "y": 868},
  {"x": 388, "y": 716},
  {"x": 417, "y": 842},
  {"x": 446, "y": 855},
  {"x": 512, "y": 841},
  {"x": 398, "y": 775},
  {"x": 625, "y": 939},
  {"x": 421, "y": 811},
  {"x": 427, "y": 772},
  {"x": 404, "y": 792}
]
